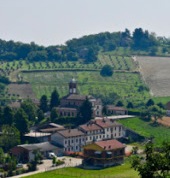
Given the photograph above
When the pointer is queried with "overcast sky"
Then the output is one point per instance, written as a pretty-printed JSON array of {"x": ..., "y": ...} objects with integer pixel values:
[{"x": 51, "y": 22}]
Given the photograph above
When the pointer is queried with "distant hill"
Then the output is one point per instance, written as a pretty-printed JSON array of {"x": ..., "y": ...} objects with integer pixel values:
[{"x": 87, "y": 47}]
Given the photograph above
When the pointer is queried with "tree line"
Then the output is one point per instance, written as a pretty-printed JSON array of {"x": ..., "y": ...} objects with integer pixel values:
[{"x": 86, "y": 47}]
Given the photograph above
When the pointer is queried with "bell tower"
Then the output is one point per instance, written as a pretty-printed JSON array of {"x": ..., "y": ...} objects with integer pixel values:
[{"x": 72, "y": 86}]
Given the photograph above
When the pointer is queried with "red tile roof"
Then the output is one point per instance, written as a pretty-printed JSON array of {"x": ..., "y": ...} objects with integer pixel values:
[
  {"x": 74, "y": 97},
  {"x": 71, "y": 133},
  {"x": 90, "y": 126},
  {"x": 110, "y": 144},
  {"x": 105, "y": 123}
]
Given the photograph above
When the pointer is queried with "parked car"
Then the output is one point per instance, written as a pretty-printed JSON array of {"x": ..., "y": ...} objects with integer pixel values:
[
  {"x": 51, "y": 155},
  {"x": 19, "y": 165}
]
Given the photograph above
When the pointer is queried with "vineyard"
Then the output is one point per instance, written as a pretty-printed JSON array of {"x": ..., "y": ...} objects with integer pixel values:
[
  {"x": 125, "y": 85},
  {"x": 117, "y": 62},
  {"x": 156, "y": 73},
  {"x": 44, "y": 76}
]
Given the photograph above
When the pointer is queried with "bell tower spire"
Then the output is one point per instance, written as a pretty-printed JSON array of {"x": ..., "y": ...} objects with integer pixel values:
[{"x": 72, "y": 86}]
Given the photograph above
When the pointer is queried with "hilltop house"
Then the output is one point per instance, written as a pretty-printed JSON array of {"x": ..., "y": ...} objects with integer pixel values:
[
  {"x": 104, "y": 153},
  {"x": 70, "y": 103}
]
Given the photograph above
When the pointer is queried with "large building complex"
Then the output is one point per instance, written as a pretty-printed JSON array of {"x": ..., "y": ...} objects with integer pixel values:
[{"x": 70, "y": 103}]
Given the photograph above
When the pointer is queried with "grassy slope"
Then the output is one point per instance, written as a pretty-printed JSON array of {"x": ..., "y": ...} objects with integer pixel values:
[
  {"x": 160, "y": 133},
  {"x": 123, "y": 171},
  {"x": 163, "y": 100},
  {"x": 124, "y": 84}
]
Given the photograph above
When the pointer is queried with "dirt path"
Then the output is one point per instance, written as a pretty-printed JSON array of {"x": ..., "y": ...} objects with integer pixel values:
[{"x": 47, "y": 166}]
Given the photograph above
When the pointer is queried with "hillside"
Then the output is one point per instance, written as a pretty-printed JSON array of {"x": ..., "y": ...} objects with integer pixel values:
[
  {"x": 48, "y": 67},
  {"x": 155, "y": 71}
]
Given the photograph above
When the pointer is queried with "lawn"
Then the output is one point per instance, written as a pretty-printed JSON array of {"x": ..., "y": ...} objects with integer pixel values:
[
  {"x": 122, "y": 171},
  {"x": 146, "y": 129},
  {"x": 125, "y": 85},
  {"x": 163, "y": 100}
]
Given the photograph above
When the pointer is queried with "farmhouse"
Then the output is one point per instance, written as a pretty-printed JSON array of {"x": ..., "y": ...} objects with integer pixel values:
[
  {"x": 72, "y": 140},
  {"x": 104, "y": 153},
  {"x": 70, "y": 103},
  {"x": 114, "y": 110},
  {"x": 25, "y": 153}
]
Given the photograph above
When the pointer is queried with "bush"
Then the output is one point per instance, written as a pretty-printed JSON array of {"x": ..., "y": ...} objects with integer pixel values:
[
  {"x": 59, "y": 162},
  {"x": 106, "y": 71}
]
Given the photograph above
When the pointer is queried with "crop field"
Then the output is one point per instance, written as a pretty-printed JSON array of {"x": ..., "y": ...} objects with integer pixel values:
[
  {"x": 160, "y": 133},
  {"x": 122, "y": 171},
  {"x": 156, "y": 73},
  {"x": 21, "y": 90},
  {"x": 125, "y": 85},
  {"x": 117, "y": 62}
]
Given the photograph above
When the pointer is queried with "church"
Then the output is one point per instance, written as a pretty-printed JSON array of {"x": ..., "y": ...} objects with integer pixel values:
[{"x": 70, "y": 103}]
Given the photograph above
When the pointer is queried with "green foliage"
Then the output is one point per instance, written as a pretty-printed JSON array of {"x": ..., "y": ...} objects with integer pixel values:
[
  {"x": 53, "y": 114},
  {"x": 30, "y": 109},
  {"x": 130, "y": 105},
  {"x": 54, "y": 102},
  {"x": 8, "y": 116},
  {"x": 106, "y": 71},
  {"x": 21, "y": 121},
  {"x": 10, "y": 137},
  {"x": 44, "y": 103},
  {"x": 120, "y": 85},
  {"x": 147, "y": 129},
  {"x": 120, "y": 171},
  {"x": 155, "y": 163},
  {"x": 85, "y": 111},
  {"x": 150, "y": 102},
  {"x": 120, "y": 103},
  {"x": 40, "y": 115}
]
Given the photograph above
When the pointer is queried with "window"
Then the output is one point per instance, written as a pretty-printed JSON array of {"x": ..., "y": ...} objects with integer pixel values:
[{"x": 65, "y": 141}]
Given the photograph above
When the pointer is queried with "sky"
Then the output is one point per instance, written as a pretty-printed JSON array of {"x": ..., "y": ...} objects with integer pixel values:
[{"x": 53, "y": 22}]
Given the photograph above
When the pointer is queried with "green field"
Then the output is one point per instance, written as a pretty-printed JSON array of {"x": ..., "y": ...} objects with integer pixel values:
[
  {"x": 125, "y": 85},
  {"x": 123, "y": 171},
  {"x": 117, "y": 62},
  {"x": 146, "y": 129}
]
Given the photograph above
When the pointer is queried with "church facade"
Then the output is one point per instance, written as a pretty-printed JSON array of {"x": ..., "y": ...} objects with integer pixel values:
[{"x": 70, "y": 103}]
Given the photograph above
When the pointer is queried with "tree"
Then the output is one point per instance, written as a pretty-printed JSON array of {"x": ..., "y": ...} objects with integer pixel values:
[
  {"x": 30, "y": 109},
  {"x": 44, "y": 103},
  {"x": 54, "y": 102},
  {"x": 106, "y": 71},
  {"x": 85, "y": 111},
  {"x": 10, "y": 137},
  {"x": 21, "y": 121},
  {"x": 155, "y": 164},
  {"x": 40, "y": 115},
  {"x": 53, "y": 114},
  {"x": 120, "y": 103},
  {"x": 8, "y": 116},
  {"x": 156, "y": 112},
  {"x": 130, "y": 105},
  {"x": 150, "y": 102}
]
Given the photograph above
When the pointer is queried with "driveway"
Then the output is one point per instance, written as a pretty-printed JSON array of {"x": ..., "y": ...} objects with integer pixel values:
[{"x": 47, "y": 165}]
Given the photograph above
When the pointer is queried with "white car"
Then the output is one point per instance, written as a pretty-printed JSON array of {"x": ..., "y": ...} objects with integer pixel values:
[{"x": 52, "y": 155}]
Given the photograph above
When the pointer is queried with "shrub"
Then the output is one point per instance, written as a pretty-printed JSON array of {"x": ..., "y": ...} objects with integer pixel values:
[{"x": 106, "y": 71}]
